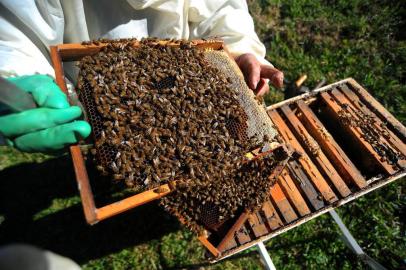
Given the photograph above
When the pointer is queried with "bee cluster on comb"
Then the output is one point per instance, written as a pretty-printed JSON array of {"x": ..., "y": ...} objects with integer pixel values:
[{"x": 164, "y": 113}]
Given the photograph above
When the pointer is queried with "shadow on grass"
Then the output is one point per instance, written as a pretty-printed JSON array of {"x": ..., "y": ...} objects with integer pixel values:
[
  {"x": 253, "y": 252},
  {"x": 28, "y": 189}
]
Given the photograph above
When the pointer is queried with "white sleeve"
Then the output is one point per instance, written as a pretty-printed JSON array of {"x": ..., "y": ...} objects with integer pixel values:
[
  {"x": 27, "y": 30},
  {"x": 229, "y": 20}
]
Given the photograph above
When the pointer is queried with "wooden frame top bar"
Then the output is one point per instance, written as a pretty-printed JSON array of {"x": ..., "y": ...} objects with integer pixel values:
[{"x": 75, "y": 51}]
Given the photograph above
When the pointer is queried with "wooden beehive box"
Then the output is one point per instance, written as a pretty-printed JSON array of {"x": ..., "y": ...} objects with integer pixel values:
[{"x": 347, "y": 144}]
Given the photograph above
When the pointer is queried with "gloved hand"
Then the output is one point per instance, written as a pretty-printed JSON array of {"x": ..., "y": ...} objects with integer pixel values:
[{"x": 50, "y": 126}]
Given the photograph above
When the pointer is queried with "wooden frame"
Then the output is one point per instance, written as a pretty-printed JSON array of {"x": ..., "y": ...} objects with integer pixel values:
[{"x": 74, "y": 52}]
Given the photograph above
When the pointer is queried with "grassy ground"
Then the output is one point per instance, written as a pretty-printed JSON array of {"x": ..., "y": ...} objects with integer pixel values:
[{"x": 324, "y": 39}]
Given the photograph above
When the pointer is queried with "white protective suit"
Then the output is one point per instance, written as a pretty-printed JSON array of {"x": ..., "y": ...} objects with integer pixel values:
[{"x": 28, "y": 27}]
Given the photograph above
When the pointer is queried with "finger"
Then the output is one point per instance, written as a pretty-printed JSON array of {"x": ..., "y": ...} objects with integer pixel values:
[
  {"x": 36, "y": 119},
  {"x": 274, "y": 75},
  {"x": 251, "y": 68},
  {"x": 44, "y": 90},
  {"x": 254, "y": 74},
  {"x": 51, "y": 96},
  {"x": 263, "y": 87},
  {"x": 54, "y": 138}
]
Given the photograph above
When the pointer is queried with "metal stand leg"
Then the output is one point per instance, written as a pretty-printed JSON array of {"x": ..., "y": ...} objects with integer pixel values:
[
  {"x": 268, "y": 264},
  {"x": 353, "y": 245}
]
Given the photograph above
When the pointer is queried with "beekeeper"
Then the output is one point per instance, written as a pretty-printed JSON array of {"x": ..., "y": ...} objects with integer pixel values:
[{"x": 28, "y": 28}]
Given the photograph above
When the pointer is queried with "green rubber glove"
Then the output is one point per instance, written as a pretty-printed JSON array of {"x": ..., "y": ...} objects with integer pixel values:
[{"x": 49, "y": 127}]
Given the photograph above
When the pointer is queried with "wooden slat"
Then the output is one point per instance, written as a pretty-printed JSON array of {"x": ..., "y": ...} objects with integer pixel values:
[
  {"x": 343, "y": 99},
  {"x": 242, "y": 235},
  {"x": 316, "y": 152},
  {"x": 283, "y": 204},
  {"x": 232, "y": 243},
  {"x": 310, "y": 193},
  {"x": 304, "y": 160},
  {"x": 335, "y": 108},
  {"x": 203, "y": 239},
  {"x": 333, "y": 151},
  {"x": 132, "y": 202},
  {"x": 75, "y": 51},
  {"x": 293, "y": 193},
  {"x": 355, "y": 131},
  {"x": 233, "y": 231},
  {"x": 384, "y": 132},
  {"x": 261, "y": 218},
  {"x": 257, "y": 225},
  {"x": 86, "y": 195},
  {"x": 272, "y": 217},
  {"x": 377, "y": 108}
]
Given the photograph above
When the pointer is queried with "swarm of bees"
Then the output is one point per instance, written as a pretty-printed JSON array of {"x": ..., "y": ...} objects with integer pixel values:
[{"x": 164, "y": 113}]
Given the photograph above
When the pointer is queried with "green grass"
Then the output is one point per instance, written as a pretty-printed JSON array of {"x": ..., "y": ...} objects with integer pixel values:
[
  {"x": 323, "y": 39},
  {"x": 11, "y": 157}
]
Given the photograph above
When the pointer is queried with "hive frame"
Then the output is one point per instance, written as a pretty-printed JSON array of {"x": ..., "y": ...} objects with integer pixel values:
[{"x": 74, "y": 52}]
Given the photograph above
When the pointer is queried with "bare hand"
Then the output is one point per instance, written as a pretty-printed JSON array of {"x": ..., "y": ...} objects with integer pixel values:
[{"x": 256, "y": 74}]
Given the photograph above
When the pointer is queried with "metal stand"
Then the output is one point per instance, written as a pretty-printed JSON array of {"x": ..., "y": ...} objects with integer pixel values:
[
  {"x": 266, "y": 259},
  {"x": 352, "y": 244},
  {"x": 347, "y": 237}
]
